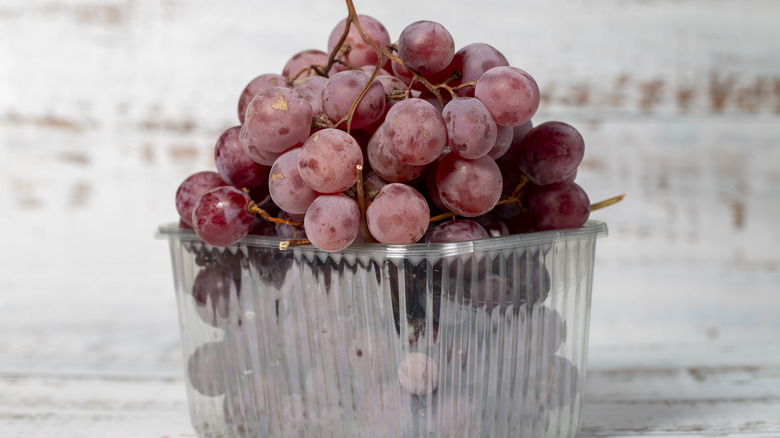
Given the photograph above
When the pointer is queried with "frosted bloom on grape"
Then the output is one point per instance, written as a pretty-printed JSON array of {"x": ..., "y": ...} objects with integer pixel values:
[
  {"x": 473, "y": 60},
  {"x": 256, "y": 85},
  {"x": 221, "y": 218},
  {"x": 234, "y": 166},
  {"x": 509, "y": 93},
  {"x": 551, "y": 152},
  {"x": 426, "y": 47},
  {"x": 310, "y": 88},
  {"x": 252, "y": 150},
  {"x": 468, "y": 188},
  {"x": 278, "y": 119},
  {"x": 332, "y": 222},
  {"x": 415, "y": 132},
  {"x": 343, "y": 89},
  {"x": 360, "y": 53},
  {"x": 399, "y": 214},
  {"x": 385, "y": 164},
  {"x": 328, "y": 161},
  {"x": 418, "y": 373},
  {"x": 192, "y": 188},
  {"x": 471, "y": 130},
  {"x": 285, "y": 185}
]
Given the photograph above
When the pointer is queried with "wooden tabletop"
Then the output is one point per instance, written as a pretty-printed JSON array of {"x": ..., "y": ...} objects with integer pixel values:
[
  {"x": 107, "y": 105},
  {"x": 703, "y": 390}
]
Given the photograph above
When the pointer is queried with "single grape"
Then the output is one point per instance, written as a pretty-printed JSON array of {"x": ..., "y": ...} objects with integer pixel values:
[
  {"x": 343, "y": 89},
  {"x": 360, "y": 52},
  {"x": 401, "y": 72},
  {"x": 399, "y": 214},
  {"x": 332, "y": 222},
  {"x": 191, "y": 189},
  {"x": 551, "y": 152},
  {"x": 252, "y": 150},
  {"x": 385, "y": 164},
  {"x": 468, "y": 188},
  {"x": 473, "y": 60},
  {"x": 504, "y": 135},
  {"x": 471, "y": 131},
  {"x": 220, "y": 217},
  {"x": 256, "y": 85},
  {"x": 392, "y": 85},
  {"x": 456, "y": 231},
  {"x": 415, "y": 132},
  {"x": 212, "y": 289},
  {"x": 234, "y": 165},
  {"x": 300, "y": 64},
  {"x": 548, "y": 330},
  {"x": 271, "y": 265},
  {"x": 558, "y": 206},
  {"x": 207, "y": 368},
  {"x": 328, "y": 161},
  {"x": 310, "y": 87},
  {"x": 556, "y": 380},
  {"x": 278, "y": 119},
  {"x": 518, "y": 134},
  {"x": 509, "y": 93},
  {"x": 418, "y": 374},
  {"x": 287, "y": 188},
  {"x": 426, "y": 46}
]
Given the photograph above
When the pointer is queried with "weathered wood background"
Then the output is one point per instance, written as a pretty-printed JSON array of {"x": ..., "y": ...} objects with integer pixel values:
[{"x": 105, "y": 106}]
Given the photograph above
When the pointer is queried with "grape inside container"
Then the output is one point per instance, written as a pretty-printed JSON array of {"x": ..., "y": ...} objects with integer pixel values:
[{"x": 484, "y": 338}]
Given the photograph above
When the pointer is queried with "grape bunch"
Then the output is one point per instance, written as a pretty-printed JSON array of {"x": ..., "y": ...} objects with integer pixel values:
[{"x": 374, "y": 141}]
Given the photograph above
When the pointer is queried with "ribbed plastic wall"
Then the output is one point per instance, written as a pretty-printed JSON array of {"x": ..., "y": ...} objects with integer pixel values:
[{"x": 473, "y": 339}]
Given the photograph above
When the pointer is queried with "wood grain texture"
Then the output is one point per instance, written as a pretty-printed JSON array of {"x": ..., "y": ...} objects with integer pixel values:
[{"x": 106, "y": 105}]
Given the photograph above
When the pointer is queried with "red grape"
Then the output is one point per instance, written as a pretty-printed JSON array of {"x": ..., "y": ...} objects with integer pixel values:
[
  {"x": 468, "y": 188},
  {"x": 509, "y": 93},
  {"x": 191, "y": 189},
  {"x": 399, "y": 214},
  {"x": 221, "y": 218},
  {"x": 426, "y": 47}
]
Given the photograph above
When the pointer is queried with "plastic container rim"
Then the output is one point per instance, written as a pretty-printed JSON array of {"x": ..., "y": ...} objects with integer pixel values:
[{"x": 591, "y": 229}]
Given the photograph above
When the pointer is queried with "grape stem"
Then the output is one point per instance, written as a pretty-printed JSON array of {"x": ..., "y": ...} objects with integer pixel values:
[
  {"x": 254, "y": 208},
  {"x": 283, "y": 246},
  {"x": 361, "y": 200},
  {"x": 607, "y": 202}
]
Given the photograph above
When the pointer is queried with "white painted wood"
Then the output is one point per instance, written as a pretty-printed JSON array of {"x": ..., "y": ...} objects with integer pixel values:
[
  {"x": 106, "y": 105},
  {"x": 691, "y": 390}
]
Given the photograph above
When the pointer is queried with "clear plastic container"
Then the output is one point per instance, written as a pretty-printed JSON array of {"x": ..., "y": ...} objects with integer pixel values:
[{"x": 485, "y": 338}]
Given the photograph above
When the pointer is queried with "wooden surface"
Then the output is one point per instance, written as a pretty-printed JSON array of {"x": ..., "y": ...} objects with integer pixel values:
[{"x": 106, "y": 105}]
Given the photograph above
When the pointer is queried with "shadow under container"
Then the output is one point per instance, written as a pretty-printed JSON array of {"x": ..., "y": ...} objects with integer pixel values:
[{"x": 484, "y": 338}]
